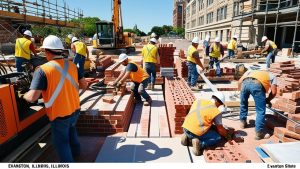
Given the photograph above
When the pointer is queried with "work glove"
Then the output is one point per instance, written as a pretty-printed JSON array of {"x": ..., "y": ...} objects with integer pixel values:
[{"x": 230, "y": 134}]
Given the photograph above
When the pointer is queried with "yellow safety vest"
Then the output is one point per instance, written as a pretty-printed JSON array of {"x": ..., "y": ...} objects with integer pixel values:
[
  {"x": 262, "y": 76},
  {"x": 80, "y": 48},
  {"x": 216, "y": 53},
  {"x": 149, "y": 53},
  {"x": 22, "y": 48},
  {"x": 273, "y": 45},
  {"x": 138, "y": 76},
  {"x": 190, "y": 57},
  {"x": 232, "y": 45},
  {"x": 201, "y": 117}
]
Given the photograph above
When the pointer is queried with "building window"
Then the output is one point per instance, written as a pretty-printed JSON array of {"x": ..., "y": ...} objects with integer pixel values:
[
  {"x": 209, "y": 2},
  {"x": 201, "y": 4},
  {"x": 209, "y": 17},
  {"x": 193, "y": 23},
  {"x": 201, "y": 20},
  {"x": 188, "y": 11},
  {"x": 194, "y": 8},
  {"x": 221, "y": 36},
  {"x": 221, "y": 13},
  {"x": 180, "y": 9},
  {"x": 228, "y": 35},
  {"x": 236, "y": 9}
]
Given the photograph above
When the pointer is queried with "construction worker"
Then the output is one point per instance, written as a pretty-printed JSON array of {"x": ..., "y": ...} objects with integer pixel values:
[
  {"x": 150, "y": 60},
  {"x": 271, "y": 48},
  {"x": 81, "y": 53},
  {"x": 158, "y": 39},
  {"x": 206, "y": 45},
  {"x": 232, "y": 46},
  {"x": 137, "y": 75},
  {"x": 198, "y": 124},
  {"x": 58, "y": 81},
  {"x": 68, "y": 41},
  {"x": 192, "y": 61},
  {"x": 215, "y": 52},
  {"x": 22, "y": 50},
  {"x": 256, "y": 83}
]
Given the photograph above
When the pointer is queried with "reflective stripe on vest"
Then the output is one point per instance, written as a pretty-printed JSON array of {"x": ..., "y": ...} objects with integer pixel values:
[
  {"x": 216, "y": 53},
  {"x": 22, "y": 48},
  {"x": 150, "y": 53},
  {"x": 190, "y": 57},
  {"x": 64, "y": 74},
  {"x": 80, "y": 48}
]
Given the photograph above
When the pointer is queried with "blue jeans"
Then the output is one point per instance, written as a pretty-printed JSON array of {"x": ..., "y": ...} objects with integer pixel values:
[
  {"x": 255, "y": 88},
  {"x": 64, "y": 137},
  {"x": 212, "y": 61},
  {"x": 230, "y": 53},
  {"x": 79, "y": 62},
  {"x": 269, "y": 57},
  {"x": 192, "y": 74},
  {"x": 151, "y": 70},
  {"x": 19, "y": 62},
  {"x": 138, "y": 90},
  {"x": 210, "y": 138}
]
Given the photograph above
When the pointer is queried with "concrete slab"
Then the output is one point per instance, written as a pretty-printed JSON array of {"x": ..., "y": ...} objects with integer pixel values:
[{"x": 142, "y": 150}]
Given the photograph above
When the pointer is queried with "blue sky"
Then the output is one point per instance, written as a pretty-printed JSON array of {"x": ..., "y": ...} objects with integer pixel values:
[{"x": 144, "y": 13}]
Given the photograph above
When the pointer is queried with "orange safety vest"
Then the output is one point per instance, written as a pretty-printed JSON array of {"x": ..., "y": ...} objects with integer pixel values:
[
  {"x": 138, "y": 76},
  {"x": 262, "y": 76},
  {"x": 61, "y": 97},
  {"x": 201, "y": 116},
  {"x": 22, "y": 48}
]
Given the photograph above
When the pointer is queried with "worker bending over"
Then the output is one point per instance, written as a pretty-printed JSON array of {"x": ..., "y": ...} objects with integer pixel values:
[
  {"x": 22, "y": 50},
  {"x": 81, "y": 53},
  {"x": 270, "y": 48},
  {"x": 198, "y": 124},
  {"x": 137, "y": 75},
  {"x": 58, "y": 81},
  {"x": 206, "y": 45},
  {"x": 215, "y": 52},
  {"x": 232, "y": 46},
  {"x": 256, "y": 83},
  {"x": 192, "y": 61},
  {"x": 150, "y": 60}
]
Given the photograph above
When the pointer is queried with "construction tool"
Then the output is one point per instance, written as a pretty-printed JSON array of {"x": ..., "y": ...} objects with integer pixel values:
[
  {"x": 281, "y": 114},
  {"x": 213, "y": 88}
]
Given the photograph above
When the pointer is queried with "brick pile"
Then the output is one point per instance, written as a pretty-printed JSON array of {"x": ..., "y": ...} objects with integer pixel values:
[
  {"x": 166, "y": 52},
  {"x": 182, "y": 69},
  {"x": 102, "y": 120},
  {"x": 112, "y": 72},
  {"x": 179, "y": 99},
  {"x": 104, "y": 61}
]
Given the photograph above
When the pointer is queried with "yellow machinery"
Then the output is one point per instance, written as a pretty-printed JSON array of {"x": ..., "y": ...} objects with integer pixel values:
[{"x": 110, "y": 35}]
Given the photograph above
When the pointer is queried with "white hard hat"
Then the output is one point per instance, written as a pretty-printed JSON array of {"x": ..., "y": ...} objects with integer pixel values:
[
  {"x": 153, "y": 35},
  {"x": 217, "y": 39},
  {"x": 28, "y": 33},
  {"x": 74, "y": 39},
  {"x": 264, "y": 38},
  {"x": 122, "y": 57},
  {"x": 234, "y": 37},
  {"x": 220, "y": 96},
  {"x": 153, "y": 40},
  {"x": 70, "y": 36},
  {"x": 195, "y": 40},
  {"x": 52, "y": 42}
]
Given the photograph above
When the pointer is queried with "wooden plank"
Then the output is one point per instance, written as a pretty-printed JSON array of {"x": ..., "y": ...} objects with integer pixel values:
[
  {"x": 143, "y": 126},
  {"x": 135, "y": 121},
  {"x": 164, "y": 130}
]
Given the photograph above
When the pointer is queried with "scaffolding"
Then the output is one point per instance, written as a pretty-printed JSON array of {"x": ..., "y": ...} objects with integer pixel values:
[{"x": 264, "y": 9}]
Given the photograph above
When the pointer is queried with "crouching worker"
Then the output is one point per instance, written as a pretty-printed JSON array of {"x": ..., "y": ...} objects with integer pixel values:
[
  {"x": 137, "y": 75},
  {"x": 198, "y": 124}
]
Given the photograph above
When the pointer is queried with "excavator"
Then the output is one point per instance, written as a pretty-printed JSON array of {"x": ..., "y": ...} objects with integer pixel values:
[{"x": 110, "y": 35}]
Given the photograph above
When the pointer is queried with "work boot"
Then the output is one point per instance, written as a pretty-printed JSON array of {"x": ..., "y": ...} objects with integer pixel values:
[
  {"x": 243, "y": 124},
  {"x": 184, "y": 140},
  {"x": 195, "y": 88},
  {"x": 261, "y": 135},
  {"x": 196, "y": 146},
  {"x": 148, "y": 102}
]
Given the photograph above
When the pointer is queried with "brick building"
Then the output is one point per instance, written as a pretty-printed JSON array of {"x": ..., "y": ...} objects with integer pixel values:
[{"x": 179, "y": 13}]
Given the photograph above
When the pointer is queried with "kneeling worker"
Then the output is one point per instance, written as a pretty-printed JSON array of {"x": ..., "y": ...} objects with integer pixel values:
[
  {"x": 256, "y": 83},
  {"x": 58, "y": 81},
  {"x": 198, "y": 123},
  {"x": 137, "y": 75}
]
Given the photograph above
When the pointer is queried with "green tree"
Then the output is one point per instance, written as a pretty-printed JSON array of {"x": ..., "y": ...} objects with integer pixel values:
[
  {"x": 179, "y": 31},
  {"x": 89, "y": 25},
  {"x": 157, "y": 30}
]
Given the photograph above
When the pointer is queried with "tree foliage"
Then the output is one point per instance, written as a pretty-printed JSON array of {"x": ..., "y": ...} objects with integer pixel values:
[
  {"x": 89, "y": 25},
  {"x": 136, "y": 31},
  {"x": 166, "y": 30}
]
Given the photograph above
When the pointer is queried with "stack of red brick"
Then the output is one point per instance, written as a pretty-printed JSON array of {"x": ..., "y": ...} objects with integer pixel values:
[
  {"x": 166, "y": 53},
  {"x": 179, "y": 99},
  {"x": 112, "y": 72},
  {"x": 291, "y": 132},
  {"x": 182, "y": 69},
  {"x": 107, "y": 122}
]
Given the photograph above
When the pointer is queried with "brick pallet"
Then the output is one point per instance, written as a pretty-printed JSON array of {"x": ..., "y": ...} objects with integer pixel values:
[
  {"x": 166, "y": 53},
  {"x": 182, "y": 69},
  {"x": 179, "y": 99}
]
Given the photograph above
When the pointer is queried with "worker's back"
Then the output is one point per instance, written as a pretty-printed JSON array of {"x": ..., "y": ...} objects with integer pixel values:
[{"x": 22, "y": 48}]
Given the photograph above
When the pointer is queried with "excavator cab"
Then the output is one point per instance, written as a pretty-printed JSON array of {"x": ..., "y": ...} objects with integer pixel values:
[{"x": 105, "y": 35}]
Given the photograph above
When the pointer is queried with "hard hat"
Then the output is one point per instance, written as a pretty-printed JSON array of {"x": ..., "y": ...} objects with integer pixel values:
[
  {"x": 28, "y": 33},
  {"x": 70, "y": 36},
  {"x": 153, "y": 40},
  {"x": 217, "y": 39},
  {"x": 220, "y": 96},
  {"x": 264, "y": 38},
  {"x": 52, "y": 42},
  {"x": 74, "y": 39},
  {"x": 122, "y": 57},
  {"x": 195, "y": 40},
  {"x": 234, "y": 37},
  {"x": 207, "y": 37},
  {"x": 153, "y": 35}
]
